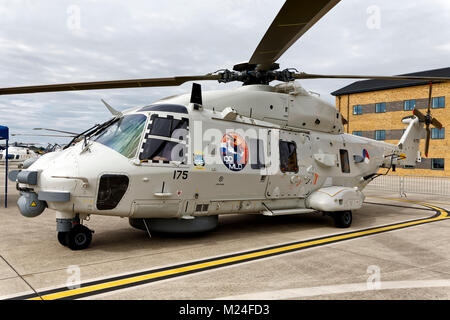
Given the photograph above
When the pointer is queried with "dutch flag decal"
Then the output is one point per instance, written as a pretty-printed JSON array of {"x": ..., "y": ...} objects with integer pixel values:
[{"x": 366, "y": 156}]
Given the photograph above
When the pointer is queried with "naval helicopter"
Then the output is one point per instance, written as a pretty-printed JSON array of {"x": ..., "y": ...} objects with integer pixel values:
[
  {"x": 176, "y": 164},
  {"x": 17, "y": 154}
]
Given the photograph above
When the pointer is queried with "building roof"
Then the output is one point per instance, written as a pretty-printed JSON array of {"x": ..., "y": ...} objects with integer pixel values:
[{"x": 374, "y": 85}]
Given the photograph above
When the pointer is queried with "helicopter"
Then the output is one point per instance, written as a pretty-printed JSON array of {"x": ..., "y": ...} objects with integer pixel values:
[
  {"x": 18, "y": 153},
  {"x": 177, "y": 164}
]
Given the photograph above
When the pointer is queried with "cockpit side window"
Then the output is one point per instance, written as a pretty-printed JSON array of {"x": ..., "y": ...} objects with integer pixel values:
[
  {"x": 166, "y": 139},
  {"x": 123, "y": 135}
]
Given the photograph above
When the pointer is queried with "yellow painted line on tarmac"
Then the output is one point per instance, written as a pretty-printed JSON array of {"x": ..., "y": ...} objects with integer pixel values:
[{"x": 135, "y": 280}]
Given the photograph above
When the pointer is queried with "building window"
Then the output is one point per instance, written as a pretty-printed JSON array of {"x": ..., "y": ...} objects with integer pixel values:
[
  {"x": 437, "y": 134},
  {"x": 438, "y": 103},
  {"x": 357, "y": 109},
  {"x": 380, "y": 135},
  {"x": 409, "y": 105},
  {"x": 380, "y": 107},
  {"x": 437, "y": 164},
  {"x": 357, "y": 133}
]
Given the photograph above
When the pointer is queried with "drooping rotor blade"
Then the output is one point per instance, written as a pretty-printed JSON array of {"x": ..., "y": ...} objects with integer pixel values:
[
  {"x": 115, "y": 84},
  {"x": 294, "y": 19},
  {"x": 427, "y": 141},
  {"x": 55, "y": 130},
  {"x": 303, "y": 75}
]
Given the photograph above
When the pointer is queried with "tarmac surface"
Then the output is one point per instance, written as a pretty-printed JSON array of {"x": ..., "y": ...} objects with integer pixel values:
[{"x": 246, "y": 257}]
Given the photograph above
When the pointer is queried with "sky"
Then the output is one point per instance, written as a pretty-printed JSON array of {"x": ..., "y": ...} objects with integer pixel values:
[{"x": 47, "y": 41}]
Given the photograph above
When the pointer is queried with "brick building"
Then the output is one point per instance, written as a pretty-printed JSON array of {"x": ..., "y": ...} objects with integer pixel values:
[{"x": 375, "y": 108}]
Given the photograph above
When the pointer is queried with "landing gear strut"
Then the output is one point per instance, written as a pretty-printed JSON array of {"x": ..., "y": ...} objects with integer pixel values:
[{"x": 342, "y": 219}]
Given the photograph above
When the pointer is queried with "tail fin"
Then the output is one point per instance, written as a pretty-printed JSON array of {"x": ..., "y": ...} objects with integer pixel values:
[{"x": 409, "y": 143}]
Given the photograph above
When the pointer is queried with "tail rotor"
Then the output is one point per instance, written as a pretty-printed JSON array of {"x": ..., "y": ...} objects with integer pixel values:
[{"x": 428, "y": 120}]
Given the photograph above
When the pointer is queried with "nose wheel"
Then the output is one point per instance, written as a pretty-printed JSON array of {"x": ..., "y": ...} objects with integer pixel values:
[{"x": 78, "y": 238}]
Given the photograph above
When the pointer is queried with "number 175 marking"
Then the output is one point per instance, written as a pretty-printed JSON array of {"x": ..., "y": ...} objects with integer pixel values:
[{"x": 177, "y": 174}]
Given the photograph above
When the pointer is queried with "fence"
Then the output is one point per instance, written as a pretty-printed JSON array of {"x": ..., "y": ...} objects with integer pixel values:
[{"x": 412, "y": 184}]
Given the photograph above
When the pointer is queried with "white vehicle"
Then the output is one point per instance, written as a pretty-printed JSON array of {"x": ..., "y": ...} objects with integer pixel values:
[{"x": 179, "y": 163}]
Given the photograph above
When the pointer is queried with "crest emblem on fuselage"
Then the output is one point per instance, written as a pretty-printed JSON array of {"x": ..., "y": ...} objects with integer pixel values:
[{"x": 234, "y": 151}]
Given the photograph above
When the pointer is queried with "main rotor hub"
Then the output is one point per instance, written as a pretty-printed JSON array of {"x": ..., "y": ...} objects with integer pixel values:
[{"x": 249, "y": 74}]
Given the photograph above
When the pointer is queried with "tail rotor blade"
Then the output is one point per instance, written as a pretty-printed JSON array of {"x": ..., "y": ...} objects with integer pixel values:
[
  {"x": 430, "y": 99},
  {"x": 436, "y": 123},
  {"x": 419, "y": 115},
  {"x": 427, "y": 142}
]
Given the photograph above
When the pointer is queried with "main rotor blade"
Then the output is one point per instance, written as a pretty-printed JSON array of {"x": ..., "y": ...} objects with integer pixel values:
[
  {"x": 303, "y": 75},
  {"x": 115, "y": 84},
  {"x": 294, "y": 19},
  {"x": 55, "y": 130},
  {"x": 40, "y": 135}
]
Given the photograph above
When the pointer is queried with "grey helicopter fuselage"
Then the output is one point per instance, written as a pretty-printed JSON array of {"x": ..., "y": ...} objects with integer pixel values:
[{"x": 255, "y": 149}]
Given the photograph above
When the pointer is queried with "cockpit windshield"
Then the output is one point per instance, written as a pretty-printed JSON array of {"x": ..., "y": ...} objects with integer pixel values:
[{"x": 123, "y": 135}]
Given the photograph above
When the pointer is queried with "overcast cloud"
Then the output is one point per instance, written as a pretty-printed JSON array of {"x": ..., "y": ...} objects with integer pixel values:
[{"x": 44, "y": 42}]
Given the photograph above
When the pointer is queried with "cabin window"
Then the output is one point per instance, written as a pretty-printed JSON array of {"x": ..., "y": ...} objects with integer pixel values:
[
  {"x": 169, "y": 127},
  {"x": 345, "y": 163},
  {"x": 166, "y": 140},
  {"x": 10, "y": 156},
  {"x": 123, "y": 135},
  {"x": 17, "y": 156},
  {"x": 288, "y": 156},
  {"x": 257, "y": 153}
]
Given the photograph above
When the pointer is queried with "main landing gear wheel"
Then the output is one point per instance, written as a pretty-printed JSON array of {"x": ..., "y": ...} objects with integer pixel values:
[
  {"x": 79, "y": 237},
  {"x": 342, "y": 219},
  {"x": 62, "y": 238}
]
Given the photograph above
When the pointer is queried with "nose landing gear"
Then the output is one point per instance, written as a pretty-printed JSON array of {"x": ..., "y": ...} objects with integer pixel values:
[
  {"x": 78, "y": 238},
  {"x": 74, "y": 235}
]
